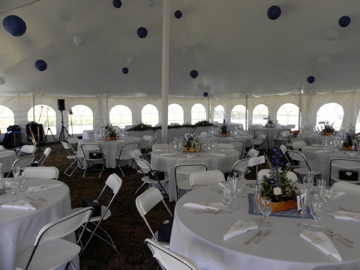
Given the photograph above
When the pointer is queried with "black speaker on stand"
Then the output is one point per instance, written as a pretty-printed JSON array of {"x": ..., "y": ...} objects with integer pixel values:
[{"x": 61, "y": 107}]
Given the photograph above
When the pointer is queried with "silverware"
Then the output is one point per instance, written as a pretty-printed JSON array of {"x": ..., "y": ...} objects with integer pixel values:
[
  {"x": 267, "y": 232},
  {"x": 348, "y": 210},
  {"x": 205, "y": 211},
  {"x": 336, "y": 235},
  {"x": 253, "y": 237},
  {"x": 35, "y": 199}
]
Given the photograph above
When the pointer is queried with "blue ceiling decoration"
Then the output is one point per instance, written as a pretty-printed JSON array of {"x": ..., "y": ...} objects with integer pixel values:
[
  {"x": 344, "y": 21},
  {"x": 178, "y": 14},
  {"x": 40, "y": 65},
  {"x": 117, "y": 3},
  {"x": 206, "y": 94},
  {"x": 274, "y": 12},
  {"x": 142, "y": 32},
  {"x": 125, "y": 70},
  {"x": 193, "y": 74},
  {"x": 14, "y": 25},
  {"x": 311, "y": 79}
]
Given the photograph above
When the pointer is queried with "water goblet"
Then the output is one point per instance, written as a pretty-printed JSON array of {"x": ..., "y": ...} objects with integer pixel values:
[
  {"x": 240, "y": 184},
  {"x": 197, "y": 147},
  {"x": 265, "y": 209},
  {"x": 321, "y": 184},
  {"x": 317, "y": 209},
  {"x": 328, "y": 196},
  {"x": 257, "y": 196},
  {"x": 309, "y": 180},
  {"x": 226, "y": 198}
]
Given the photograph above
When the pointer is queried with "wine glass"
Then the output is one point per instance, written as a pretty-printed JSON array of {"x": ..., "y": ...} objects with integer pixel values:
[
  {"x": 328, "y": 196},
  {"x": 317, "y": 209},
  {"x": 265, "y": 209},
  {"x": 321, "y": 184},
  {"x": 197, "y": 147},
  {"x": 226, "y": 198},
  {"x": 257, "y": 195}
]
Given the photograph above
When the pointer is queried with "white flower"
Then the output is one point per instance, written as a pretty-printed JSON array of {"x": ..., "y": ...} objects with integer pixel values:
[{"x": 277, "y": 191}]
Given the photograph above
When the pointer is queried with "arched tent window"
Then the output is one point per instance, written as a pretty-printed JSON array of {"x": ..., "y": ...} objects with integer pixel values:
[
  {"x": 175, "y": 114},
  {"x": 219, "y": 114},
  {"x": 150, "y": 115},
  {"x": 333, "y": 113},
  {"x": 260, "y": 112},
  {"x": 238, "y": 114},
  {"x": 6, "y": 118},
  {"x": 44, "y": 115},
  {"x": 198, "y": 113},
  {"x": 81, "y": 119},
  {"x": 357, "y": 126},
  {"x": 120, "y": 115},
  {"x": 288, "y": 114}
]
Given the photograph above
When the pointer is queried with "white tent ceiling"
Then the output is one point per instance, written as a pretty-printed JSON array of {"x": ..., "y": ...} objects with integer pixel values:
[{"x": 233, "y": 45}]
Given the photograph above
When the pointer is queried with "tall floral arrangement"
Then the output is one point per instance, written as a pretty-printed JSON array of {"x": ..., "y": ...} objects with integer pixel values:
[
  {"x": 190, "y": 139},
  {"x": 224, "y": 129}
]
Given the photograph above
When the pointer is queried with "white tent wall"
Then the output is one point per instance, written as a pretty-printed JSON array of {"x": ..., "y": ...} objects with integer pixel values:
[{"x": 311, "y": 102}]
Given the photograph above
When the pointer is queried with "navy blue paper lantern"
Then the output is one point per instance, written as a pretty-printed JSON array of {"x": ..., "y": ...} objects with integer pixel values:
[
  {"x": 142, "y": 32},
  {"x": 117, "y": 3},
  {"x": 193, "y": 74},
  {"x": 274, "y": 12},
  {"x": 206, "y": 94},
  {"x": 344, "y": 21},
  {"x": 125, "y": 70},
  {"x": 40, "y": 65},
  {"x": 178, "y": 14},
  {"x": 311, "y": 79},
  {"x": 14, "y": 25}
]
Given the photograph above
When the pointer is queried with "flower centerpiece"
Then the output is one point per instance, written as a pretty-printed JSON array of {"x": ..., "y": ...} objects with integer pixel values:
[
  {"x": 111, "y": 133},
  {"x": 277, "y": 185},
  {"x": 224, "y": 130},
  {"x": 190, "y": 142},
  {"x": 328, "y": 130},
  {"x": 352, "y": 140},
  {"x": 270, "y": 122}
]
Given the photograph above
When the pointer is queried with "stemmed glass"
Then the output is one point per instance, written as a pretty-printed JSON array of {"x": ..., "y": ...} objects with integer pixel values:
[
  {"x": 321, "y": 184},
  {"x": 317, "y": 209},
  {"x": 197, "y": 147},
  {"x": 265, "y": 209},
  {"x": 328, "y": 196},
  {"x": 226, "y": 198},
  {"x": 304, "y": 198},
  {"x": 257, "y": 194},
  {"x": 309, "y": 180}
]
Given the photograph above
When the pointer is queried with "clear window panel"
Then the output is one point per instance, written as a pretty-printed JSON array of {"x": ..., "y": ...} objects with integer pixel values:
[
  {"x": 198, "y": 113},
  {"x": 81, "y": 119},
  {"x": 332, "y": 113},
  {"x": 260, "y": 112},
  {"x": 44, "y": 115},
  {"x": 120, "y": 116},
  {"x": 150, "y": 115},
  {"x": 7, "y": 118},
  {"x": 175, "y": 114}
]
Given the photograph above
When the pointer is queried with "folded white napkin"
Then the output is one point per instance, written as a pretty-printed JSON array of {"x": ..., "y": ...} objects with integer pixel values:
[
  {"x": 34, "y": 189},
  {"x": 218, "y": 154},
  {"x": 240, "y": 227},
  {"x": 225, "y": 185},
  {"x": 21, "y": 204},
  {"x": 344, "y": 215},
  {"x": 216, "y": 206},
  {"x": 167, "y": 154},
  {"x": 190, "y": 156},
  {"x": 322, "y": 242}
]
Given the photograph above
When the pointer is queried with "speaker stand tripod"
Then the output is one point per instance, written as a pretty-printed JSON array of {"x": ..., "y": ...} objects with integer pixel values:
[
  {"x": 63, "y": 130},
  {"x": 48, "y": 126}
]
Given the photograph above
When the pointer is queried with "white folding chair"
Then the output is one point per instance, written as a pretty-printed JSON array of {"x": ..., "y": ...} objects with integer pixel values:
[
  {"x": 298, "y": 145},
  {"x": 147, "y": 201},
  {"x": 168, "y": 259},
  {"x": 113, "y": 183},
  {"x": 239, "y": 146},
  {"x": 145, "y": 168},
  {"x": 125, "y": 155},
  {"x": 344, "y": 169},
  {"x": 71, "y": 155},
  {"x": 261, "y": 174},
  {"x": 349, "y": 188},
  {"x": 27, "y": 150},
  {"x": 50, "y": 251},
  {"x": 284, "y": 150},
  {"x": 284, "y": 137},
  {"x": 185, "y": 170},
  {"x": 261, "y": 138},
  {"x": 41, "y": 172},
  {"x": 204, "y": 178},
  {"x": 147, "y": 150},
  {"x": 241, "y": 164},
  {"x": 23, "y": 162},
  {"x": 300, "y": 164},
  {"x": 44, "y": 156},
  {"x": 252, "y": 153},
  {"x": 93, "y": 155},
  {"x": 292, "y": 176}
]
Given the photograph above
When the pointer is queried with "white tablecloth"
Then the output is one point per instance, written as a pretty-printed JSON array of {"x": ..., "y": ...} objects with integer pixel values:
[
  {"x": 247, "y": 139},
  {"x": 19, "y": 228},
  {"x": 166, "y": 163},
  {"x": 311, "y": 138},
  {"x": 7, "y": 158},
  {"x": 111, "y": 149},
  {"x": 319, "y": 158},
  {"x": 200, "y": 237}
]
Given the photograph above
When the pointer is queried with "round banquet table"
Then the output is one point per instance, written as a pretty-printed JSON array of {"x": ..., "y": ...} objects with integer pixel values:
[
  {"x": 319, "y": 158},
  {"x": 199, "y": 236},
  {"x": 164, "y": 161},
  {"x": 111, "y": 149},
  {"x": 311, "y": 138},
  {"x": 19, "y": 228},
  {"x": 7, "y": 158},
  {"x": 247, "y": 139}
]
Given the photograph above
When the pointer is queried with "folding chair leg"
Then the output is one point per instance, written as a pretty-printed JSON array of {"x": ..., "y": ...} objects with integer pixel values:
[
  {"x": 140, "y": 188},
  {"x": 110, "y": 242},
  {"x": 121, "y": 170},
  {"x": 70, "y": 166}
]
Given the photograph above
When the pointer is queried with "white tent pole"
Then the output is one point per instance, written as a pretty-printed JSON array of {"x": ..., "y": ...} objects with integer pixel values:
[
  {"x": 165, "y": 70},
  {"x": 33, "y": 105},
  {"x": 107, "y": 108},
  {"x": 300, "y": 108},
  {"x": 246, "y": 111}
]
